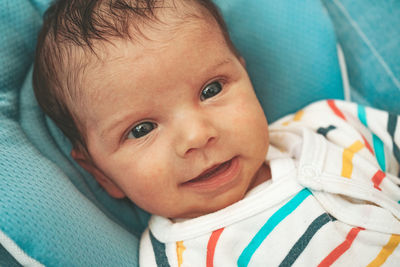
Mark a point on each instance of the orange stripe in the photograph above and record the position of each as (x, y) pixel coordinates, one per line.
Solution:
(377, 179)
(368, 145)
(335, 109)
(342, 248)
(348, 154)
(180, 248)
(386, 251)
(212, 243)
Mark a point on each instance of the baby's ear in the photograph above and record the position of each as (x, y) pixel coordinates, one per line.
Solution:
(88, 165)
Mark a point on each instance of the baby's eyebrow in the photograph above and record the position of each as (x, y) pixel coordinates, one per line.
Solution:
(116, 121)
(221, 63)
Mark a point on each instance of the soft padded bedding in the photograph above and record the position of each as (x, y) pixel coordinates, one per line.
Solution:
(52, 212)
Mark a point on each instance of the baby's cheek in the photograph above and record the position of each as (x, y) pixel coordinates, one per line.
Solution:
(144, 191)
(250, 123)
(249, 115)
(154, 175)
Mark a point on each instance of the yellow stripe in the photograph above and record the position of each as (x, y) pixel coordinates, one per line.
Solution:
(386, 251)
(299, 114)
(348, 154)
(180, 248)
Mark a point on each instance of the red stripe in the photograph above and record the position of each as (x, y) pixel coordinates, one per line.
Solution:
(332, 105)
(339, 250)
(377, 179)
(367, 145)
(212, 243)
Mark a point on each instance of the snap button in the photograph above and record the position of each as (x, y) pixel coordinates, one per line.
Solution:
(310, 176)
(308, 172)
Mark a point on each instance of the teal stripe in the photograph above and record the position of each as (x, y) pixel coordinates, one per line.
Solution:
(362, 116)
(378, 144)
(392, 124)
(272, 222)
(379, 152)
(159, 252)
(303, 241)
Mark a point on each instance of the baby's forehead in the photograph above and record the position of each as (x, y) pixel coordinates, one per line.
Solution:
(130, 54)
(153, 65)
(151, 32)
(153, 39)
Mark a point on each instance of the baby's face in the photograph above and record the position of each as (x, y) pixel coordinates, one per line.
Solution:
(174, 123)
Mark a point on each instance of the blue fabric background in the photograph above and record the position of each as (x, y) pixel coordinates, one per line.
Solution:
(369, 33)
(59, 216)
(290, 50)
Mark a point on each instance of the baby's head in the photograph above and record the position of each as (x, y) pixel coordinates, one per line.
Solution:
(155, 100)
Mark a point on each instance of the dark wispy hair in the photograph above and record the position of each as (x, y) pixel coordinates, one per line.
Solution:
(70, 32)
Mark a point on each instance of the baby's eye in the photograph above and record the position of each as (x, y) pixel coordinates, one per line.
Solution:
(211, 90)
(142, 129)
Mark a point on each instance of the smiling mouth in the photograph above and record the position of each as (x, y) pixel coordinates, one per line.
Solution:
(215, 176)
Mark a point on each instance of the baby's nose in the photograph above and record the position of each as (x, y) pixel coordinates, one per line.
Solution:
(195, 133)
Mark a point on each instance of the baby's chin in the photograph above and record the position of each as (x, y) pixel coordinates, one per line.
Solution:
(207, 205)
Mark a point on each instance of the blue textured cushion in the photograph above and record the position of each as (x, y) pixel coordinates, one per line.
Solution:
(290, 50)
(369, 33)
(51, 208)
(40, 209)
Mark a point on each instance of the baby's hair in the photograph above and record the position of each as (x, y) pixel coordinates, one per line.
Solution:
(74, 30)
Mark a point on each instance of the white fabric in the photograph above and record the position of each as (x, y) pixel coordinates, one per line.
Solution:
(17, 253)
(299, 158)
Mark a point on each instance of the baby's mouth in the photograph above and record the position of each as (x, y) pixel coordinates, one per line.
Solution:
(219, 177)
(211, 172)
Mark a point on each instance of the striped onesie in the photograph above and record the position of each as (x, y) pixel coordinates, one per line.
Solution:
(333, 199)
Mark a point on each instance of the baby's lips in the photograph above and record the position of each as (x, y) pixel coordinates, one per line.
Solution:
(211, 172)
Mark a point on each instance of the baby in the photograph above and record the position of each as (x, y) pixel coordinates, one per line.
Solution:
(159, 108)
